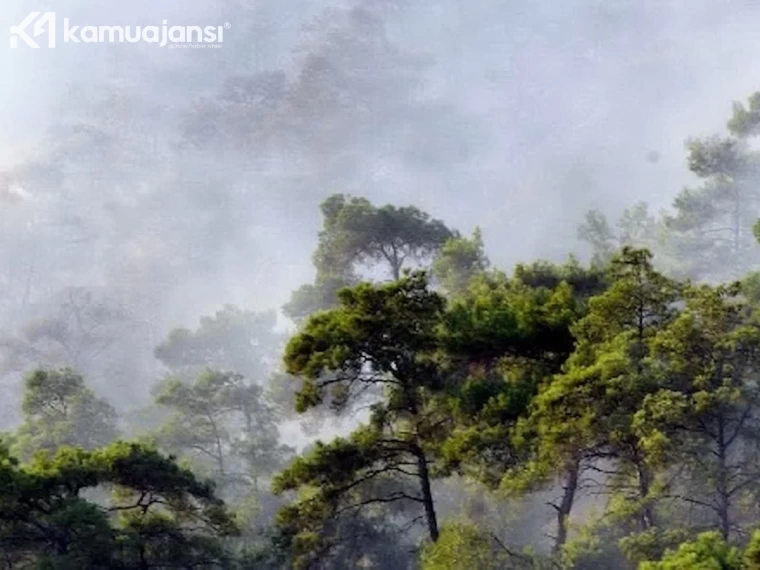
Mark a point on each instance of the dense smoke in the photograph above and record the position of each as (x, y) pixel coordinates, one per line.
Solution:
(142, 187)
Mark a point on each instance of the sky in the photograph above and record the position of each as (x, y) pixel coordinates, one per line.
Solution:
(515, 116)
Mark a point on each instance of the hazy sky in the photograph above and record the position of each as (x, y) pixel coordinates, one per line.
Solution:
(573, 95)
(551, 108)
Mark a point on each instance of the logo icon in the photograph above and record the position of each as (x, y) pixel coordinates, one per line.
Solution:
(42, 24)
(38, 23)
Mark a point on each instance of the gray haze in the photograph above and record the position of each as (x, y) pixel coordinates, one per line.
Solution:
(135, 172)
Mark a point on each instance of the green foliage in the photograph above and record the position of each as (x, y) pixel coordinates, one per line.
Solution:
(713, 225)
(59, 410)
(585, 414)
(358, 236)
(378, 333)
(745, 121)
(357, 232)
(159, 539)
(511, 334)
(585, 282)
(310, 298)
(706, 552)
(462, 546)
(704, 415)
(381, 340)
(459, 260)
(342, 484)
(615, 385)
(157, 512)
(231, 340)
(603, 370)
(636, 228)
(500, 317)
(708, 233)
(80, 329)
(752, 552)
(226, 425)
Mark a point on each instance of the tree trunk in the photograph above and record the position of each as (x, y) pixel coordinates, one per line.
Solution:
(724, 499)
(645, 484)
(143, 559)
(396, 269)
(569, 488)
(427, 495)
(217, 445)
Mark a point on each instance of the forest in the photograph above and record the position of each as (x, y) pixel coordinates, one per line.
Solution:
(622, 395)
(416, 402)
